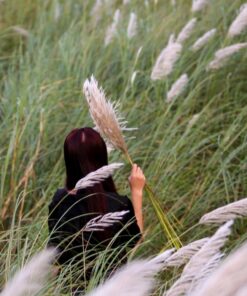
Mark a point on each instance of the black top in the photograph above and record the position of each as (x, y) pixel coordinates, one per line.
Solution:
(68, 214)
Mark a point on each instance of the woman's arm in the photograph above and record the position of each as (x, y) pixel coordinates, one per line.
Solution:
(137, 182)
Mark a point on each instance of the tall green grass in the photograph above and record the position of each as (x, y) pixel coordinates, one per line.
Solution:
(192, 169)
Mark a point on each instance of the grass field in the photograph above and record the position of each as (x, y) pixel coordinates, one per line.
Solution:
(193, 168)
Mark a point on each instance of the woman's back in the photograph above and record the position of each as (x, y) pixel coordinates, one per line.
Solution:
(68, 214)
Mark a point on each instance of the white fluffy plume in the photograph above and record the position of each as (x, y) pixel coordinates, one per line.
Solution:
(203, 40)
(134, 279)
(112, 29)
(21, 31)
(104, 114)
(97, 176)
(100, 222)
(166, 60)
(211, 249)
(186, 31)
(132, 26)
(177, 88)
(184, 254)
(225, 213)
(30, 279)
(229, 279)
(239, 24)
(223, 55)
(198, 5)
(193, 120)
(96, 12)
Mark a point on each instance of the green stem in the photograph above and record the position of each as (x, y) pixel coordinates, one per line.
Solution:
(169, 231)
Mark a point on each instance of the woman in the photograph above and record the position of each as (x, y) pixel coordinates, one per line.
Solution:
(84, 152)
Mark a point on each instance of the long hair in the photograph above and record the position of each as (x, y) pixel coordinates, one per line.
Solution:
(84, 152)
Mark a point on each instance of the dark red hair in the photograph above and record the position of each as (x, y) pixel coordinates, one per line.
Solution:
(84, 152)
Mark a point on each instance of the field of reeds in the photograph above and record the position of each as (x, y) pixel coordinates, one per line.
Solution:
(191, 136)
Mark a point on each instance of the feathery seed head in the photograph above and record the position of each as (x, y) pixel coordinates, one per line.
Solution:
(223, 55)
(30, 279)
(221, 215)
(199, 5)
(97, 176)
(166, 60)
(186, 31)
(203, 40)
(177, 88)
(104, 114)
(132, 26)
(239, 24)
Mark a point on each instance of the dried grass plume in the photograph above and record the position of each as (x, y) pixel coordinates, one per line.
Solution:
(199, 5)
(223, 55)
(203, 40)
(221, 215)
(166, 60)
(186, 31)
(104, 114)
(100, 222)
(209, 252)
(111, 31)
(239, 24)
(132, 26)
(97, 176)
(31, 278)
(229, 279)
(177, 88)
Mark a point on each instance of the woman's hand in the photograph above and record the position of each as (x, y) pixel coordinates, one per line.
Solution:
(137, 182)
(136, 179)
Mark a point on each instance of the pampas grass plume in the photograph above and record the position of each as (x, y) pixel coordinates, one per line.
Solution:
(166, 60)
(104, 114)
(100, 222)
(203, 40)
(193, 120)
(239, 24)
(136, 278)
(194, 267)
(183, 254)
(30, 279)
(177, 88)
(21, 31)
(229, 279)
(223, 55)
(186, 31)
(132, 26)
(96, 12)
(199, 5)
(225, 213)
(112, 29)
(97, 176)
